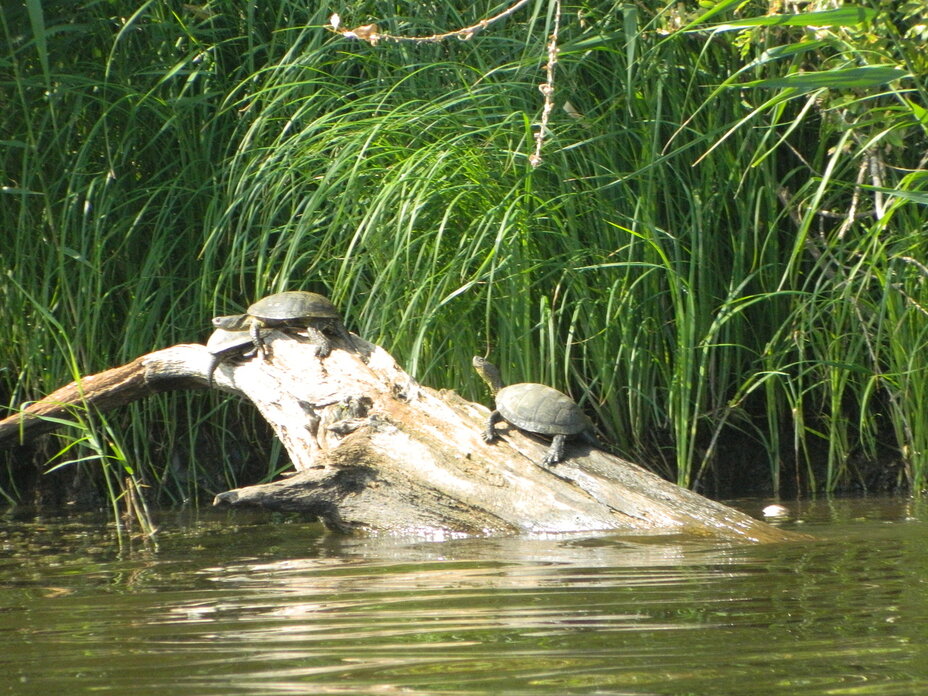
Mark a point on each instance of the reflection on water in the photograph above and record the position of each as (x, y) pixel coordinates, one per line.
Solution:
(234, 604)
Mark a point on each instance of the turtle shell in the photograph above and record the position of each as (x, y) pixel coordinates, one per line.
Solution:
(223, 341)
(538, 408)
(292, 305)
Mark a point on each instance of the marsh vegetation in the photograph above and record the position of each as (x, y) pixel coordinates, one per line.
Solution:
(722, 255)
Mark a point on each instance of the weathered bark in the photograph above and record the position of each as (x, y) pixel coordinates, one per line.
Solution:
(376, 451)
(149, 374)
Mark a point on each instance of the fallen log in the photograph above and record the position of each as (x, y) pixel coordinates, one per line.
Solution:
(375, 451)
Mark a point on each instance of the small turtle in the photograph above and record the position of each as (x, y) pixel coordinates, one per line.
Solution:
(535, 408)
(223, 343)
(288, 310)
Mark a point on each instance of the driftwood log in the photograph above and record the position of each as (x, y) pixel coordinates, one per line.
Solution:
(375, 451)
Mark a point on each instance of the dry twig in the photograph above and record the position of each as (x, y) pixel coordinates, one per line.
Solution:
(371, 34)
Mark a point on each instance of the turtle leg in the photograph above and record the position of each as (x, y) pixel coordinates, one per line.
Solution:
(321, 340)
(343, 334)
(556, 451)
(336, 328)
(489, 434)
(254, 330)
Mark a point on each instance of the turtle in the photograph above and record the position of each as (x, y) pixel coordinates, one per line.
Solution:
(290, 309)
(535, 408)
(223, 343)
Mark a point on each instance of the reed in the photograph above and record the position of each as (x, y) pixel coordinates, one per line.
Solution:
(718, 254)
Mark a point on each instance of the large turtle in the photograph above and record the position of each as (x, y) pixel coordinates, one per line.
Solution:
(535, 408)
(223, 343)
(290, 309)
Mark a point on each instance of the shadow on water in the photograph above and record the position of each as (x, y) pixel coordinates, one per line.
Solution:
(234, 603)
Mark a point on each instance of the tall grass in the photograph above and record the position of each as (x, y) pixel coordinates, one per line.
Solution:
(702, 264)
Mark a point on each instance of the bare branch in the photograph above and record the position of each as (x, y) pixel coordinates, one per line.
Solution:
(372, 34)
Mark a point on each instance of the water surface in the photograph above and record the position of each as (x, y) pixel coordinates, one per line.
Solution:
(234, 603)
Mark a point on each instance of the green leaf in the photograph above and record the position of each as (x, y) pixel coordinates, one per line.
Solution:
(37, 21)
(914, 196)
(789, 50)
(919, 111)
(848, 78)
(712, 10)
(848, 15)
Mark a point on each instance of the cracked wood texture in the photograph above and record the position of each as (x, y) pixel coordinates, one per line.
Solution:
(375, 451)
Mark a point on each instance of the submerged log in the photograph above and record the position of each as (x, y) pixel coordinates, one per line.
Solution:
(375, 451)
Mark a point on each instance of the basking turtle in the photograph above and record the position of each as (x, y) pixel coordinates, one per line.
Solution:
(289, 310)
(535, 408)
(223, 343)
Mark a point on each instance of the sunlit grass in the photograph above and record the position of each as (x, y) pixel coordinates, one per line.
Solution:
(698, 265)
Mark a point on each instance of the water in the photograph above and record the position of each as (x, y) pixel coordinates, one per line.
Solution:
(237, 604)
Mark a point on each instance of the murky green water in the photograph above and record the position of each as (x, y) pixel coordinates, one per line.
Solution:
(238, 604)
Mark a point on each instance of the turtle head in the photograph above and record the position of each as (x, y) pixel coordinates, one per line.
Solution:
(489, 372)
(231, 322)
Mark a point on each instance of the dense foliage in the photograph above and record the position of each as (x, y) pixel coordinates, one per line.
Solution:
(722, 255)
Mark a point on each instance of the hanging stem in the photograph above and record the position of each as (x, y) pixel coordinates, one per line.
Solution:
(547, 88)
(372, 34)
